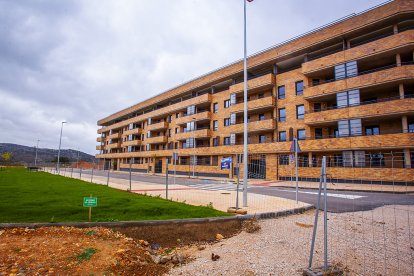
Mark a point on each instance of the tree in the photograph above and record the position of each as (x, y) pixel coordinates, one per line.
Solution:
(62, 159)
(7, 156)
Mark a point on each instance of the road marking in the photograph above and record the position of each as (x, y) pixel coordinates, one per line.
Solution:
(328, 194)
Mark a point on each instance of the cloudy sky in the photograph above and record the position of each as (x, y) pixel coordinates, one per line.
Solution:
(79, 61)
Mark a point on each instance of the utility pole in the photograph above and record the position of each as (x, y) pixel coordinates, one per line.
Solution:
(37, 146)
(245, 167)
(194, 145)
(60, 143)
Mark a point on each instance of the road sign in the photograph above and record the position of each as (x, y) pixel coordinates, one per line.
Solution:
(292, 147)
(225, 163)
(90, 201)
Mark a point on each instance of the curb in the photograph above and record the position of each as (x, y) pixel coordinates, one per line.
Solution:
(346, 190)
(124, 224)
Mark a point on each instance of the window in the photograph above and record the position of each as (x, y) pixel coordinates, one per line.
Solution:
(215, 125)
(176, 130)
(316, 82)
(262, 139)
(232, 139)
(261, 117)
(169, 132)
(191, 110)
(216, 142)
(177, 115)
(299, 88)
(281, 92)
(317, 107)
(283, 159)
(226, 103)
(301, 134)
(233, 118)
(372, 130)
(300, 112)
(282, 136)
(215, 107)
(376, 160)
(226, 140)
(232, 99)
(348, 98)
(191, 126)
(349, 128)
(189, 143)
(169, 118)
(346, 70)
(226, 121)
(282, 115)
(410, 127)
(318, 133)
(260, 96)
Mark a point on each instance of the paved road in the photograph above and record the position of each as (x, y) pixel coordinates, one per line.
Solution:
(338, 201)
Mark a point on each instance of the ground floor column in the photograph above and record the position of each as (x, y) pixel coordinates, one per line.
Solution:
(404, 122)
(407, 158)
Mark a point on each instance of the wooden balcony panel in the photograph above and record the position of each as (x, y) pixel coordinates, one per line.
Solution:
(399, 106)
(113, 146)
(254, 126)
(156, 140)
(99, 147)
(135, 131)
(198, 117)
(132, 143)
(114, 136)
(262, 82)
(254, 104)
(372, 48)
(157, 126)
(388, 75)
(200, 133)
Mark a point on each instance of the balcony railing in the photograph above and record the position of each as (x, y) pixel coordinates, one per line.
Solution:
(265, 81)
(132, 143)
(205, 115)
(157, 140)
(198, 133)
(157, 126)
(132, 131)
(253, 126)
(254, 104)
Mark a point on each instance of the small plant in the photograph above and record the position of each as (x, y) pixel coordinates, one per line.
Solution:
(52, 219)
(86, 254)
(90, 233)
(210, 205)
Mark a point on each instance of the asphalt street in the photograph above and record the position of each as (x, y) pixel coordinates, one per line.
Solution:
(337, 201)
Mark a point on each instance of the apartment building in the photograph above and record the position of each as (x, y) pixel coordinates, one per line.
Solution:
(345, 90)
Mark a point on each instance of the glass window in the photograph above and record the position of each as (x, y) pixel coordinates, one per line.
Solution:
(282, 115)
(226, 103)
(216, 141)
(342, 99)
(299, 88)
(300, 112)
(281, 92)
(191, 110)
(377, 160)
(343, 128)
(317, 107)
(410, 127)
(283, 159)
(353, 97)
(232, 118)
(226, 121)
(262, 138)
(372, 130)
(301, 134)
(261, 117)
(355, 127)
(215, 107)
(233, 139)
(232, 98)
(215, 125)
(282, 136)
(226, 140)
(318, 133)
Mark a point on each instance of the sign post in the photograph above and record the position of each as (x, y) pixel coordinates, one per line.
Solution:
(175, 158)
(90, 202)
(295, 148)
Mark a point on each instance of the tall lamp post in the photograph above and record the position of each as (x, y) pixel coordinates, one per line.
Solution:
(37, 146)
(60, 143)
(194, 145)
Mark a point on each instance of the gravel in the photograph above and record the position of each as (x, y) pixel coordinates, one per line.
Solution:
(371, 243)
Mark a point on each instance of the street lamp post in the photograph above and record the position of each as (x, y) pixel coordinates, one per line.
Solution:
(60, 143)
(37, 146)
(245, 167)
(194, 146)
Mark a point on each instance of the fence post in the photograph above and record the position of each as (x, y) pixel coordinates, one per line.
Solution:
(315, 224)
(130, 176)
(325, 218)
(107, 177)
(92, 172)
(238, 181)
(71, 172)
(166, 181)
(80, 173)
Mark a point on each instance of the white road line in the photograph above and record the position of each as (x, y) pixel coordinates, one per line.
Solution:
(329, 194)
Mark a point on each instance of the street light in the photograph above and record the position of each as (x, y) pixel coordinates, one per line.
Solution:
(194, 146)
(37, 145)
(60, 142)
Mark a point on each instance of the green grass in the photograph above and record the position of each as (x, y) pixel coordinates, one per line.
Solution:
(42, 197)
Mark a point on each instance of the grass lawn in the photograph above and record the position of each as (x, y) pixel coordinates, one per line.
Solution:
(42, 197)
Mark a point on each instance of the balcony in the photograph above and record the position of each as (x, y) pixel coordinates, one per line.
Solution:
(256, 126)
(202, 116)
(263, 103)
(100, 139)
(132, 143)
(377, 76)
(263, 82)
(135, 131)
(157, 140)
(99, 147)
(113, 146)
(206, 98)
(114, 135)
(372, 48)
(199, 133)
(157, 126)
(389, 107)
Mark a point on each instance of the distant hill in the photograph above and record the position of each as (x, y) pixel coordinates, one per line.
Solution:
(26, 155)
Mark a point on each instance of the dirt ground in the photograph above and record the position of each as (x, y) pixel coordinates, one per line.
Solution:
(74, 251)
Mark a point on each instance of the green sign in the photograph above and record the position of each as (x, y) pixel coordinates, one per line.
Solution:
(90, 201)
